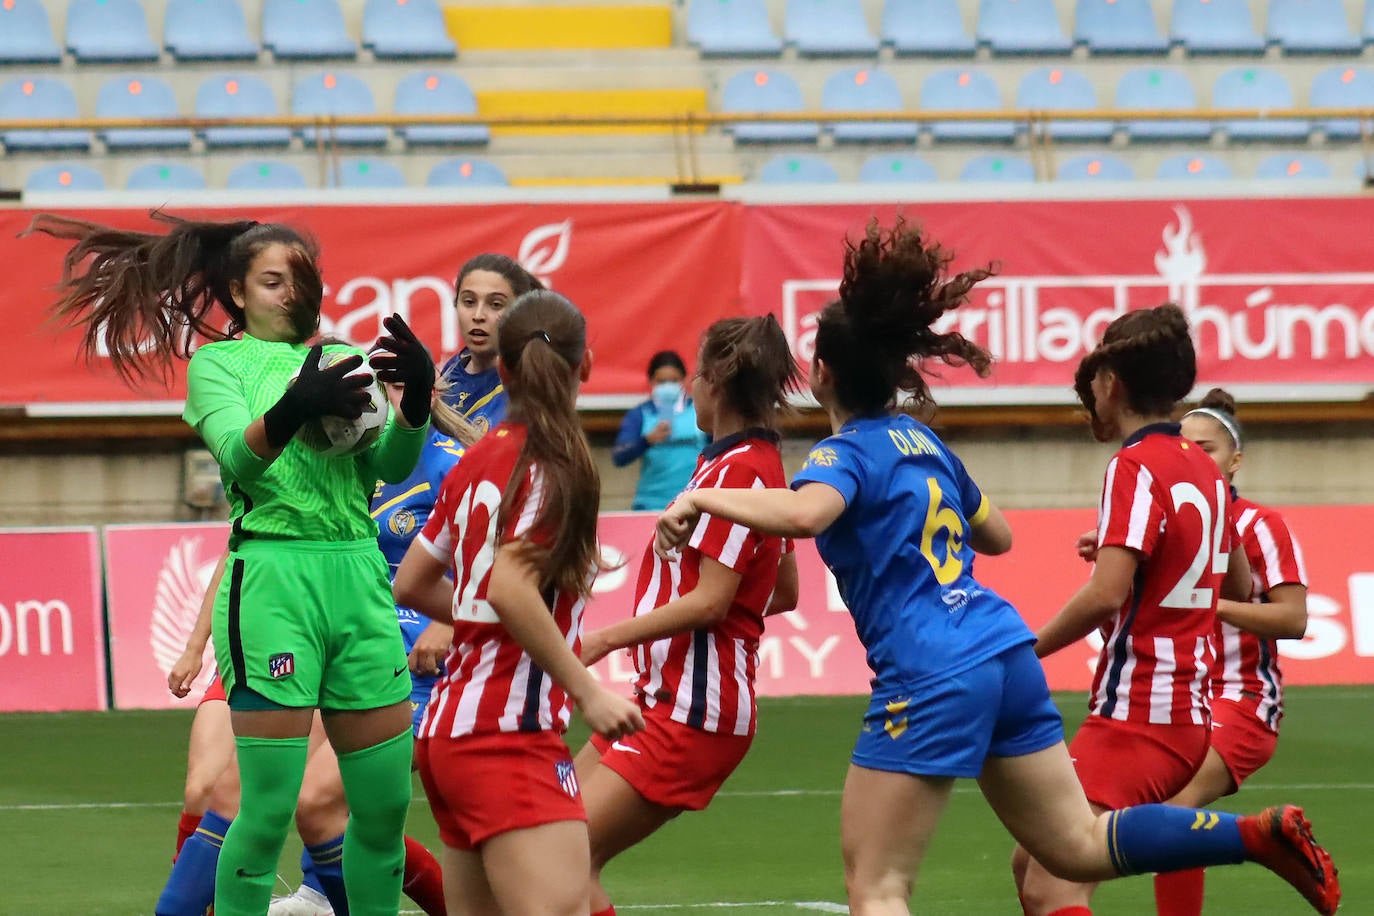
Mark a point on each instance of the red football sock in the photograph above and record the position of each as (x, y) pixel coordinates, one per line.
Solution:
(424, 879)
(185, 827)
(1179, 893)
(609, 911)
(1072, 911)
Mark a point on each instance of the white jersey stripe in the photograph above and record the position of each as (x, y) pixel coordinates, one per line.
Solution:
(1273, 562)
(465, 714)
(1199, 686)
(682, 703)
(1141, 504)
(745, 711)
(515, 702)
(1162, 681)
(1104, 511)
(712, 720)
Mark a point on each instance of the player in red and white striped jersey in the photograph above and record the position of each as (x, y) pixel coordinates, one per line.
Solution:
(516, 523)
(1246, 684)
(698, 617)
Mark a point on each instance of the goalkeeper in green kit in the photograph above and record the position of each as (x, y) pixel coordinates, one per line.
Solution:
(304, 617)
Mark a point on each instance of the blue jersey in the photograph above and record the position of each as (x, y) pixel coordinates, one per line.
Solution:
(900, 552)
(480, 398)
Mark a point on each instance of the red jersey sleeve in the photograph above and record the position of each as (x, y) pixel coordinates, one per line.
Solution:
(1130, 515)
(731, 545)
(1282, 557)
(437, 536)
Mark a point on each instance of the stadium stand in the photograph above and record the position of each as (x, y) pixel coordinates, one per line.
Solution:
(766, 90)
(1094, 167)
(897, 168)
(306, 30)
(990, 167)
(931, 27)
(337, 93)
(165, 176)
(265, 175)
(239, 96)
(790, 169)
(1260, 88)
(140, 97)
(828, 27)
(1162, 89)
(1215, 27)
(104, 31)
(26, 34)
(438, 92)
(196, 30)
(1192, 166)
(1118, 27)
(406, 29)
(1291, 166)
(1063, 89)
(865, 89)
(728, 28)
(367, 173)
(1343, 87)
(65, 176)
(1311, 27)
(471, 173)
(40, 97)
(1021, 27)
(965, 89)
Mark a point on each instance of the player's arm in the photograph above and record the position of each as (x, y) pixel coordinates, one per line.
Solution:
(801, 513)
(630, 444)
(1237, 584)
(991, 532)
(1093, 604)
(422, 582)
(1282, 616)
(788, 588)
(187, 668)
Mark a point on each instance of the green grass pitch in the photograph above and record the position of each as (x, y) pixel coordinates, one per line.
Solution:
(88, 808)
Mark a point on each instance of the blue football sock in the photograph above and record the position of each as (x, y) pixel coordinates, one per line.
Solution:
(308, 877)
(326, 868)
(190, 888)
(1155, 838)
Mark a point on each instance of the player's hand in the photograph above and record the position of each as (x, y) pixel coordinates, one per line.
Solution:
(610, 715)
(427, 657)
(1087, 545)
(329, 392)
(594, 647)
(406, 361)
(185, 671)
(675, 527)
(659, 433)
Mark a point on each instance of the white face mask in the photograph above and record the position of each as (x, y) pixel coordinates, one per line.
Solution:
(666, 395)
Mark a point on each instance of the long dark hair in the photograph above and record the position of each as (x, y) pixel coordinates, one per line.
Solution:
(877, 337)
(1151, 352)
(749, 360)
(146, 296)
(521, 280)
(542, 338)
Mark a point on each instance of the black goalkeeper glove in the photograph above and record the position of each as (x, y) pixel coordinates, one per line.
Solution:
(408, 363)
(316, 393)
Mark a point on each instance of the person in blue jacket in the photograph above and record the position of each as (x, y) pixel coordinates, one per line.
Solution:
(663, 432)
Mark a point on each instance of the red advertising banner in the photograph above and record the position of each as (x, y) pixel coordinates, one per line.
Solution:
(52, 647)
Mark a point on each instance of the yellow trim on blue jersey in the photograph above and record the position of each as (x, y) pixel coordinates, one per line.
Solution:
(418, 488)
(485, 398)
(981, 515)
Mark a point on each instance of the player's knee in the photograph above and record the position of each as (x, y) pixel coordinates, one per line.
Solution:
(1069, 861)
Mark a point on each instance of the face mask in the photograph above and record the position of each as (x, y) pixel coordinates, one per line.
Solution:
(665, 396)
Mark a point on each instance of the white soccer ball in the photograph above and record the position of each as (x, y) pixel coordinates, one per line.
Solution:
(334, 436)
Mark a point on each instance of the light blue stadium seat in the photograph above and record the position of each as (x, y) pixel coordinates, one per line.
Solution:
(1164, 89)
(823, 27)
(1021, 27)
(305, 30)
(438, 92)
(1342, 87)
(406, 29)
(1290, 165)
(26, 34)
(1192, 165)
(1061, 89)
(367, 173)
(1257, 87)
(466, 173)
(993, 167)
(1311, 27)
(926, 27)
(725, 28)
(1118, 27)
(1215, 27)
(140, 97)
(64, 176)
(207, 30)
(766, 90)
(964, 89)
(898, 168)
(165, 176)
(239, 95)
(265, 175)
(797, 169)
(109, 30)
(332, 93)
(40, 97)
(1367, 25)
(864, 89)
(1094, 167)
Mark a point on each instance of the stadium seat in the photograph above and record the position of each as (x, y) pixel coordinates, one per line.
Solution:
(437, 92)
(1215, 27)
(1367, 26)
(165, 176)
(1261, 88)
(1118, 27)
(1165, 89)
(40, 97)
(724, 28)
(468, 173)
(964, 89)
(766, 90)
(926, 27)
(265, 175)
(825, 27)
(64, 176)
(367, 173)
(331, 93)
(1021, 27)
(790, 169)
(898, 168)
(238, 95)
(864, 89)
(109, 30)
(1289, 165)
(305, 30)
(406, 29)
(990, 167)
(1311, 27)
(26, 34)
(140, 97)
(1192, 165)
(207, 30)
(1094, 167)
(1342, 87)
(1061, 89)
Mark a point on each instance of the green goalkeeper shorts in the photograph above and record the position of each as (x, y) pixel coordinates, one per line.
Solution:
(310, 623)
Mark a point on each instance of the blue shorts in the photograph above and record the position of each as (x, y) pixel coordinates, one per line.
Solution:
(421, 687)
(998, 708)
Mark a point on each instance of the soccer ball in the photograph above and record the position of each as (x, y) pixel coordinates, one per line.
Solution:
(335, 436)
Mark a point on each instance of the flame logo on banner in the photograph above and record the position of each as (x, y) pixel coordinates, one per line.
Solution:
(544, 249)
(181, 583)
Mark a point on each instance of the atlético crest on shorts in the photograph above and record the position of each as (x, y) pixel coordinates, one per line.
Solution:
(567, 777)
(281, 665)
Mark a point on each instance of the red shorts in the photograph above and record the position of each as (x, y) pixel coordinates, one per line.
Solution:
(1243, 742)
(673, 765)
(214, 692)
(1131, 763)
(481, 786)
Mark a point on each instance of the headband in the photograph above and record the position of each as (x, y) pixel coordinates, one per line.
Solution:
(1227, 422)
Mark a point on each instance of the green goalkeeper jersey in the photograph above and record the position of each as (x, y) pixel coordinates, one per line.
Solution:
(301, 495)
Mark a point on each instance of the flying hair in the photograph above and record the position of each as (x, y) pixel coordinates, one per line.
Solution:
(750, 360)
(1151, 352)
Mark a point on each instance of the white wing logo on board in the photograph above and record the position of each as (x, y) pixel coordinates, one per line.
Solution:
(544, 249)
(181, 583)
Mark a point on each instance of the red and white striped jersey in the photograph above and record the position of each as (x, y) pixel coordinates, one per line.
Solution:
(705, 679)
(489, 683)
(1165, 500)
(1247, 670)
